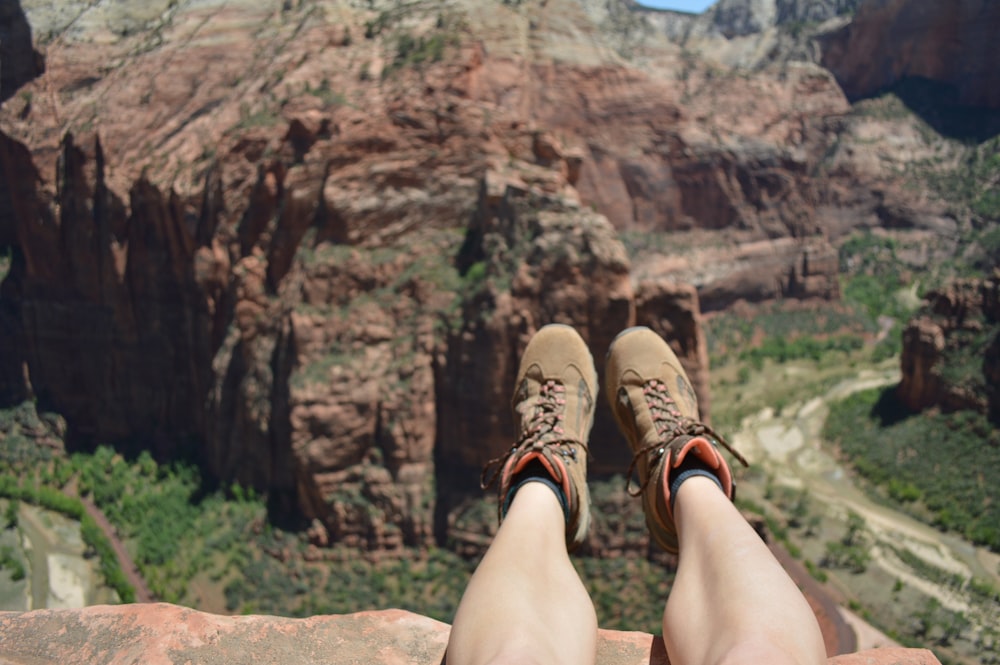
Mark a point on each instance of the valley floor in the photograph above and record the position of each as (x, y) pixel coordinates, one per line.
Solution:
(795, 475)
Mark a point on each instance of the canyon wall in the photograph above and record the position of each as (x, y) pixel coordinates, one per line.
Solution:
(306, 244)
(946, 42)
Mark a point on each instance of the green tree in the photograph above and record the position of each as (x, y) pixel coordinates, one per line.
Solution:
(10, 514)
(799, 511)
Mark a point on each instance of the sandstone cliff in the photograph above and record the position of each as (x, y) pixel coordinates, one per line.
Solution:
(945, 42)
(951, 351)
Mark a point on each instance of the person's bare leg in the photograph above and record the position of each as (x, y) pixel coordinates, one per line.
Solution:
(525, 603)
(731, 601)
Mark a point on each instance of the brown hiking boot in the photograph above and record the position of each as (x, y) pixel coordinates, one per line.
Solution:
(657, 411)
(553, 408)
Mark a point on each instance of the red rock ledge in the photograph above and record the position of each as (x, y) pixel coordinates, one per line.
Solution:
(160, 634)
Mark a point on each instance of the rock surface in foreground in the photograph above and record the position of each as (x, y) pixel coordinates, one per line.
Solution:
(163, 633)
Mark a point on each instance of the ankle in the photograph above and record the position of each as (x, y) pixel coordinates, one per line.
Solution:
(536, 503)
(687, 472)
(525, 479)
(698, 488)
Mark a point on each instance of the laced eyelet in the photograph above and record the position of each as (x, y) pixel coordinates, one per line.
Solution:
(544, 428)
(670, 425)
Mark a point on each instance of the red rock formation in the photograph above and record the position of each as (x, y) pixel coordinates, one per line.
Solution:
(531, 260)
(753, 271)
(941, 41)
(949, 357)
(116, 364)
(128, 634)
(923, 342)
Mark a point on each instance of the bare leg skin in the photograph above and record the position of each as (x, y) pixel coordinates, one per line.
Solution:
(525, 603)
(731, 601)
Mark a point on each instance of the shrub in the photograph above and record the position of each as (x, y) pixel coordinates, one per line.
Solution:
(818, 573)
(8, 561)
(10, 514)
(110, 567)
(854, 558)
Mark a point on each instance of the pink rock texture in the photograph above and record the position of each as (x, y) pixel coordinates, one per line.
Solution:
(160, 634)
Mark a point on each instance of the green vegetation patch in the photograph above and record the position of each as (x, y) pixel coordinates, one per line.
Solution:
(428, 583)
(192, 542)
(973, 183)
(628, 592)
(961, 363)
(876, 272)
(808, 350)
(412, 47)
(177, 526)
(783, 331)
(782, 350)
(851, 551)
(257, 117)
(943, 468)
(12, 563)
(412, 50)
(875, 282)
(18, 425)
(327, 94)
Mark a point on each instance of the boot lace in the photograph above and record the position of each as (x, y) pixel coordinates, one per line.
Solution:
(543, 428)
(671, 425)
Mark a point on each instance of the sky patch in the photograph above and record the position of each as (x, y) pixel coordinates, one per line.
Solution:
(692, 6)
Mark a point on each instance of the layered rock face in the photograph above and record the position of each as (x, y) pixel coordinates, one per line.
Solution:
(750, 34)
(538, 261)
(305, 244)
(945, 42)
(113, 364)
(739, 18)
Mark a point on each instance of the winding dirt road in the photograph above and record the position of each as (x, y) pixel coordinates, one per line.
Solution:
(788, 447)
(142, 592)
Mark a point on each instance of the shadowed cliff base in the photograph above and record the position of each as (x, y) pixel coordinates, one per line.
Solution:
(938, 104)
(889, 409)
(21, 62)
